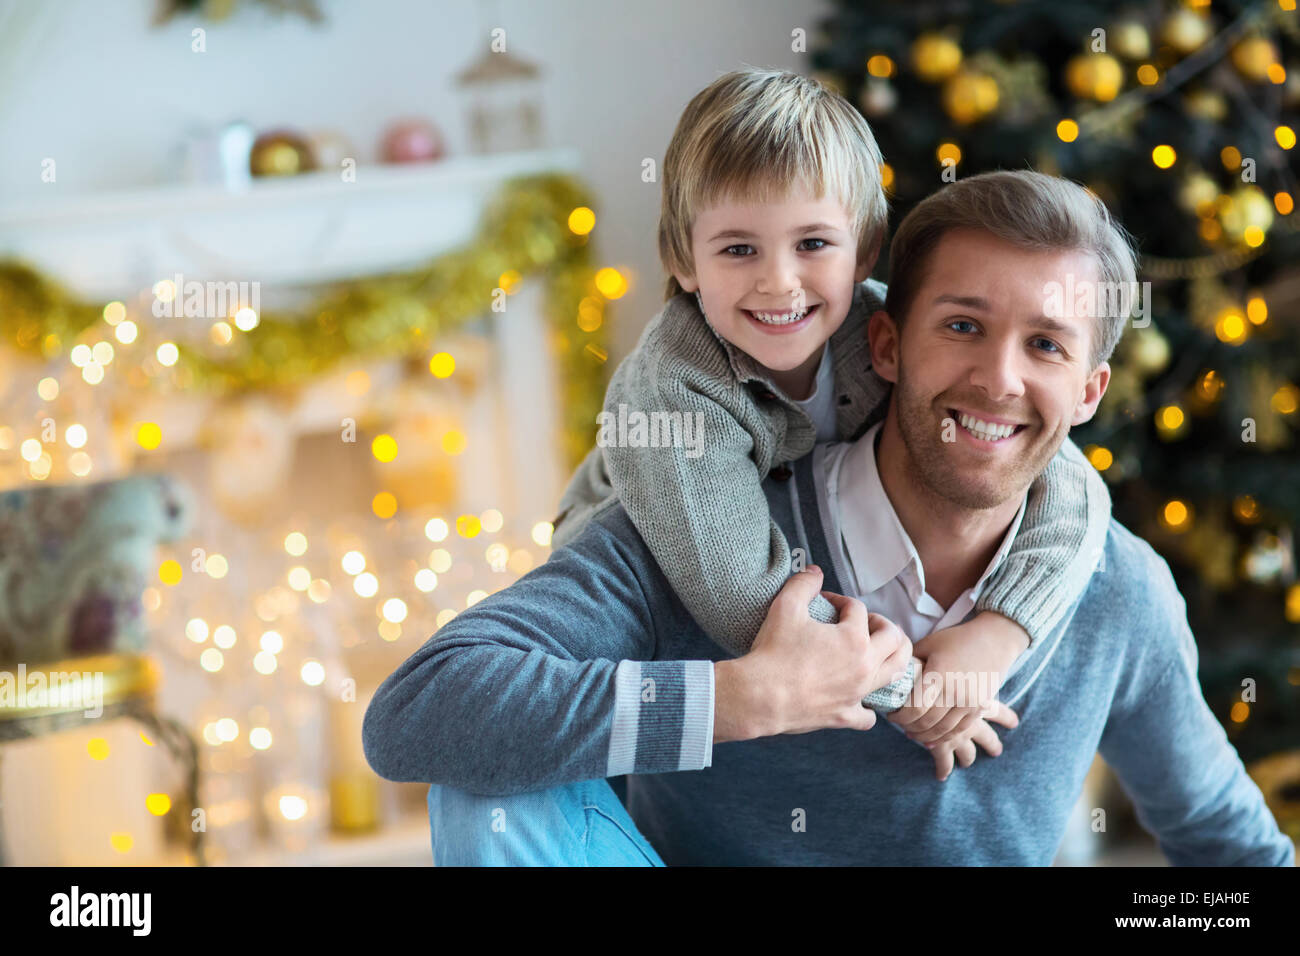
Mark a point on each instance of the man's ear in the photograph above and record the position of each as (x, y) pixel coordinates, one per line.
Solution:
(867, 262)
(882, 332)
(1093, 390)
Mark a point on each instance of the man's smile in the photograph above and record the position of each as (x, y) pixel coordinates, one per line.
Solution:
(987, 430)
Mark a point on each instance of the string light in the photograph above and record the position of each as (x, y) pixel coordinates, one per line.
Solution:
(1100, 457)
(880, 66)
(312, 673)
(581, 221)
(1176, 515)
(611, 283)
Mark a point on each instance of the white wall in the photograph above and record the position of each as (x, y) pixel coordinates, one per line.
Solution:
(94, 86)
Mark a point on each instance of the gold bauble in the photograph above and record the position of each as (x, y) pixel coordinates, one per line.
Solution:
(1206, 104)
(280, 153)
(1149, 350)
(1278, 779)
(1094, 76)
(1186, 30)
(969, 96)
(935, 57)
(1130, 40)
(1197, 191)
(1247, 207)
(878, 97)
(1253, 56)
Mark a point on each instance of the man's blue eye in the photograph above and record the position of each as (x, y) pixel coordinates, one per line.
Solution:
(960, 322)
(1052, 346)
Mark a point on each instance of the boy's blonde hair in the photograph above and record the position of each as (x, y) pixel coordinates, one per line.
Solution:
(1028, 209)
(752, 136)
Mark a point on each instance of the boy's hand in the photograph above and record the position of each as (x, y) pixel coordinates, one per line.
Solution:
(964, 746)
(961, 745)
(969, 662)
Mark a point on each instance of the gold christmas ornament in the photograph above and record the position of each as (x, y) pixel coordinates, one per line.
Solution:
(1198, 194)
(935, 57)
(1278, 779)
(1186, 30)
(281, 153)
(1247, 215)
(969, 97)
(1130, 40)
(878, 97)
(1253, 56)
(1206, 104)
(1094, 76)
(1149, 351)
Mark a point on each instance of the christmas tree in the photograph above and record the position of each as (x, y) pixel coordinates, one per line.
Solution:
(1182, 118)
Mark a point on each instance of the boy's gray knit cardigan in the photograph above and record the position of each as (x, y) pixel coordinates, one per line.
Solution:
(704, 515)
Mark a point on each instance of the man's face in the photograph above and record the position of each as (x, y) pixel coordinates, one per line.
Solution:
(764, 258)
(987, 386)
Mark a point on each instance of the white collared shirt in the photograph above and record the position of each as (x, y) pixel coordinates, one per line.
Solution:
(882, 567)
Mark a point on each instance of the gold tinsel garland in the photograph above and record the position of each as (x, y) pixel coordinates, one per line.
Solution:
(524, 231)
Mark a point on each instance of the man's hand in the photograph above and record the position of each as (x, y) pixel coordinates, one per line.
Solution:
(966, 665)
(801, 675)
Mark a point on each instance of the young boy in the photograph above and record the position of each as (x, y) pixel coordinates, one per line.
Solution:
(772, 218)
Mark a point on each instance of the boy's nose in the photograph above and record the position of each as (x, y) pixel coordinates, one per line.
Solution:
(779, 278)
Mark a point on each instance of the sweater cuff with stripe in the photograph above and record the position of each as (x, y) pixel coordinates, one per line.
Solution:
(663, 717)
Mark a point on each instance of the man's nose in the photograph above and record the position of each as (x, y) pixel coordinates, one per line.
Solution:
(999, 370)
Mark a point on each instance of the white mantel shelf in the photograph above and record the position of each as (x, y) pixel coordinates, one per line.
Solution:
(282, 232)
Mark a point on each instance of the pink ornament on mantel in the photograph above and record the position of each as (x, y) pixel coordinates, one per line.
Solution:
(412, 141)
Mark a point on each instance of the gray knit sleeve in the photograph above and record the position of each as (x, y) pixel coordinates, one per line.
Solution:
(704, 515)
(1059, 543)
(587, 490)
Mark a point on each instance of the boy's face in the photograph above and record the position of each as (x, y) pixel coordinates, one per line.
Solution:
(765, 259)
(977, 351)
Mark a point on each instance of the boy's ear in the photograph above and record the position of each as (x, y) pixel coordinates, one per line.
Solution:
(882, 333)
(867, 262)
(687, 283)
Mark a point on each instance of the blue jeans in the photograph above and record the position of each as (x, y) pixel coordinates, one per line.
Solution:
(578, 824)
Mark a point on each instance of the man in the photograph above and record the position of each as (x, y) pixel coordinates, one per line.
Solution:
(590, 668)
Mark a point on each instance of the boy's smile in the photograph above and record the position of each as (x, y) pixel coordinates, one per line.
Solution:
(777, 279)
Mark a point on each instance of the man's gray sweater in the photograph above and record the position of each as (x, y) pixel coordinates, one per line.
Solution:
(590, 666)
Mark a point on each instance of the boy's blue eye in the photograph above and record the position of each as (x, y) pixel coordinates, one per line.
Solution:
(747, 246)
